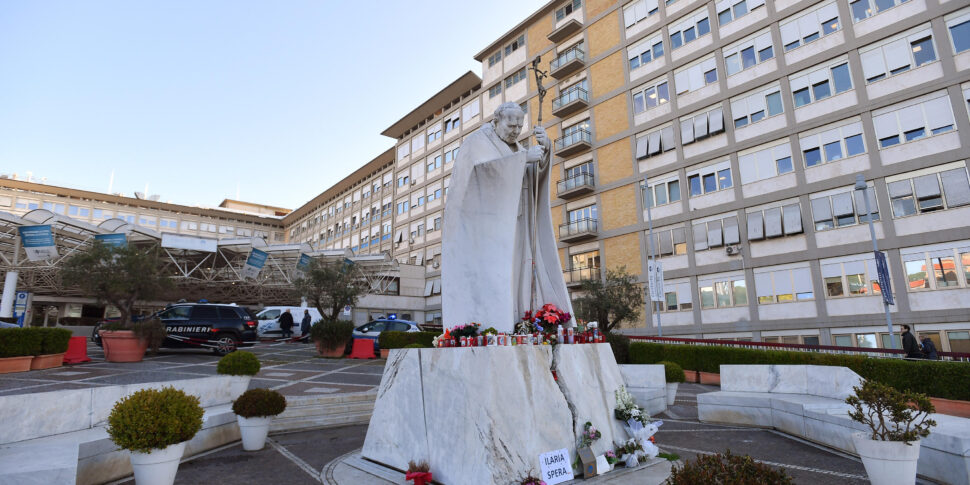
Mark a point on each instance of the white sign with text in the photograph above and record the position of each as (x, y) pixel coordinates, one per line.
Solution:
(555, 466)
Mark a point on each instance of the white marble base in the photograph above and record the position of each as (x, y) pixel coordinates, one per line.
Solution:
(647, 384)
(483, 415)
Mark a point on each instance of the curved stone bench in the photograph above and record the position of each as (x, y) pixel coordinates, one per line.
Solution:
(809, 402)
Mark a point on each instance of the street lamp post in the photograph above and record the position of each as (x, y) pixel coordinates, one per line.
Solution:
(653, 256)
(860, 184)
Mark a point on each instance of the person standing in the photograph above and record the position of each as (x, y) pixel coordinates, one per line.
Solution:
(929, 348)
(910, 345)
(286, 324)
(305, 326)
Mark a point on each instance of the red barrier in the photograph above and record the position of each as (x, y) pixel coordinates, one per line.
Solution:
(77, 351)
(363, 349)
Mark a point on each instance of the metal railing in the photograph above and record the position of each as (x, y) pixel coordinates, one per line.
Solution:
(570, 55)
(575, 182)
(574, 93)
(578, 275)
(577, 227)
(578, 136)
(829, 349)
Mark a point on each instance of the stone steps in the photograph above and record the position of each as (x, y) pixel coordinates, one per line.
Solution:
(322, 411)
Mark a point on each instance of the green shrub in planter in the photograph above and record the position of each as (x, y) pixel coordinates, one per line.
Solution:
(20, 342)
(891, 415)
(399, 340)
(54, 340)
(153, 419)
(238, 363)
(259, 403)
(672, 371)
(332, 335)
(621, 347)
(415, 346)
(727, 468)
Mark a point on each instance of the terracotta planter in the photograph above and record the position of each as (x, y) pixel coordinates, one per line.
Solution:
(336, 353)
(691, 376)
(15, 364)
(122, 346)
(385, 353)
(951, 407)
(710, 378)
(48, 361)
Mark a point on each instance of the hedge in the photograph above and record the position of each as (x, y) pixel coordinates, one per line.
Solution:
(941, 379)
(54, 340)
(393, 339)
(19, 342)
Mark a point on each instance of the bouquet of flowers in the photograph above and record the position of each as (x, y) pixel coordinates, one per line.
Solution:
(611, 457)
(467, 330)
(547, 317)
(627, 409)
(590, 434)
(531, 480)
(490, 331)
(629, 453)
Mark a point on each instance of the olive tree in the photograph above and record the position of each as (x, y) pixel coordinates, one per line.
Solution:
(610, 302)
(330, 286)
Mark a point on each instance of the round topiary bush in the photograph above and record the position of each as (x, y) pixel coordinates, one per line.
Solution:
(332, 335)
(238, 363)
(727, 468)
(674, 372)
(258, 403)
(415, 346)
(152, 419)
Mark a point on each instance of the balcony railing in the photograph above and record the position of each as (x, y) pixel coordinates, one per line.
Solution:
(575, 185)
(573, 143)
(576, 276)
(570, 101)
(578, 229)
(567, 62)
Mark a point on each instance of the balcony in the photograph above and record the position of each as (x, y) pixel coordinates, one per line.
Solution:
(577, 230)
(570, 101)
(576, 185)
(573, 143)
(567, 63)
(565, 30)
(576, 276)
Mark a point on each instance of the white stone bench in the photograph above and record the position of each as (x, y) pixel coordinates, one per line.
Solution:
(809, 402)
(61, 436)
(647, 384)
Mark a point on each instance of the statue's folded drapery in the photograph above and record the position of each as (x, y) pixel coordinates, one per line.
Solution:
(486, 253)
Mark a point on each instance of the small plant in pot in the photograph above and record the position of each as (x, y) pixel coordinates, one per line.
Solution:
(331, 337)
(254, 410)
(154, 425)
(241, 366)
(896, 420)
(674, 375)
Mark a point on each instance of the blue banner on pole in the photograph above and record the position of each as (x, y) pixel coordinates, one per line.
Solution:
(254, 263)
(885, 286)
(113, 240)
(303, 263)
(38, 242)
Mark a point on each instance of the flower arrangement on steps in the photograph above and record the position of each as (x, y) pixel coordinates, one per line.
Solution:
(419, 472)
(255, 410)
(896, 420)
(154, 425)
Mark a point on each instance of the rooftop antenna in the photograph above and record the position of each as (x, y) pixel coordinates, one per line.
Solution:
(111, 181)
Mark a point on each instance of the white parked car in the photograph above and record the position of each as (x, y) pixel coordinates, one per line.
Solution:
(269, 320)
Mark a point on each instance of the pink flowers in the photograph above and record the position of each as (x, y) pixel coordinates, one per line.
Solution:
(548, 315)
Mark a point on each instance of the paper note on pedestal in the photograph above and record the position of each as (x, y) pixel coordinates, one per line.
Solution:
(555, 466)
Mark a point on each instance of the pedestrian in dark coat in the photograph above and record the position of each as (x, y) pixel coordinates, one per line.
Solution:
(305, 325)
(910, 345)
(286, 324)
(929, 349)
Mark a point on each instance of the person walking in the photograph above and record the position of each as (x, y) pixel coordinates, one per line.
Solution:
(910, 345)
(929, 348)
(305, 326)
(286, 324)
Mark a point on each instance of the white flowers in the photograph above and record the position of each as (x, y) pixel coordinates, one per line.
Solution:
(626, 407)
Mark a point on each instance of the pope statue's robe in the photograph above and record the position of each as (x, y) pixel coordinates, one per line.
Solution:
(486, 242)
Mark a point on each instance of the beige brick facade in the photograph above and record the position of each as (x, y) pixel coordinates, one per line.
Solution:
(623, 251)
(611, 117)
(619, 207)
(604, 34)
(607, 75)
(614, 161)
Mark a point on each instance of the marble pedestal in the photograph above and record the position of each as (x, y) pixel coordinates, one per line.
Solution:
(484, 414)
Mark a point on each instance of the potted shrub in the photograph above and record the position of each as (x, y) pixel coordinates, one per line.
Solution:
(53, 346)
(331, 337)
(254, 410)
(241, 366)
(674, 376)
(18, 346)
(120, 276)
(726, 468)
(896, 420)
(154, 425)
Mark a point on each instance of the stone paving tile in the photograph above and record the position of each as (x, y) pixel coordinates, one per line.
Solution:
(315, 366)
(265, 383)
(71, 374)
(320, 447)
(320, 388)
(207, 370)
(285, 373)
(344, 377)
(233, 466)
(367, 369)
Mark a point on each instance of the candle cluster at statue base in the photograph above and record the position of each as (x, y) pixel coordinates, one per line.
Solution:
(543, 327)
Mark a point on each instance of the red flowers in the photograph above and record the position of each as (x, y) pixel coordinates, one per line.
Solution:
(548, 315)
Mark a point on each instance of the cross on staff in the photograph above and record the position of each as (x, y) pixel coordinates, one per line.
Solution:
(540, 75)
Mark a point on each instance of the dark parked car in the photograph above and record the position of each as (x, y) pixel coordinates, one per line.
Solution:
(222, 328)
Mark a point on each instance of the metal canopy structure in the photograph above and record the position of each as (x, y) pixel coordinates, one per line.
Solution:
(200, 267)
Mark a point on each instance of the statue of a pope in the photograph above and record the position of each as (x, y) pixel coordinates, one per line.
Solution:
(498, 202)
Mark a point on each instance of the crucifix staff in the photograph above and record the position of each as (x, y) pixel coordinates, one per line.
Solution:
(540, 75)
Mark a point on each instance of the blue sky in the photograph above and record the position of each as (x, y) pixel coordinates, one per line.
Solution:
(196, 98)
